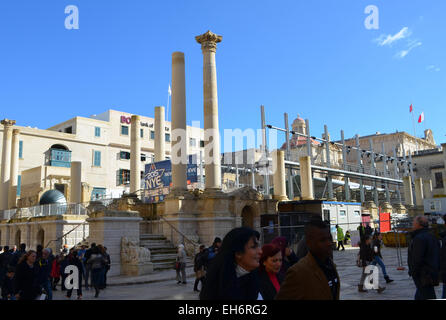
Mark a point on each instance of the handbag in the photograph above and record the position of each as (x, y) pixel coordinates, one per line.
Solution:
(177, 265)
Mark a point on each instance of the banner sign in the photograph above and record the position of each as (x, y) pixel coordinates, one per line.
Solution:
(158, 179)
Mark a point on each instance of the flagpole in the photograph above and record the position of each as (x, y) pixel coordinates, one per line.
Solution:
(414, 130)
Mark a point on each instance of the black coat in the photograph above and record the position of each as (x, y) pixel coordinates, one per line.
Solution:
(424, 258)
(377, 243)
(365, 253)
(44, 266)
(226, 286)
(266, 287)
(27, 281)
(443, 257)
(7, 287)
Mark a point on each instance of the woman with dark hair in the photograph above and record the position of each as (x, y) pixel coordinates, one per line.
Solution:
(27, 285)
(270, 264)
(289, 258)
(232, 275)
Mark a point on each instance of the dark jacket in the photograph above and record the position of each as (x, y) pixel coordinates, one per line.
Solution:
(6, 259)
(443, 257)
(16, 257)
(307, 281)
(267, 289)
(377, 243)
(27, 281)
(7, 287)
(424, 258)
(223, 284)
(44, 270)
(200, 260)
(365, 253)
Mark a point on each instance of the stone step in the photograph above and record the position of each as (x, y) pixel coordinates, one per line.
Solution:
(163, 257)
(152, 237)
(155, 244)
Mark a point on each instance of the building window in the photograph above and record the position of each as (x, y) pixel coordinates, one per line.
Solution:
(69, 130)
(98, 193)
(201, 143)
(125, 130)
(342, 213)
(19, 185)
(357, 214)
(97, 131)
(142, 133)
(143, 157)
(167, 137)
(97, 158)
(152, 135)
(20, 149)
(124, 155)
(60, 158)
(439, 180)
(122, 177)
(193, 142)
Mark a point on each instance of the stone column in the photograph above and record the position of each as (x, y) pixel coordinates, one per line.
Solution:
(427, 189)
(14, 174)
(419, 195)
(279, 175)
(160, 141)
(179, 137)
(6, 163)
(408, 195)
(135, 154)
(76, 182)
(306, 178)
(208, 43)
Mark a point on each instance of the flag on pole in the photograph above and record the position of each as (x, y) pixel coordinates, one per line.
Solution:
(169, 91)
(411, 108)
(421, 118)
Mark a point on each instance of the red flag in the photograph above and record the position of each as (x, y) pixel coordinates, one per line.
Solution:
(411, 108)
(421, 118)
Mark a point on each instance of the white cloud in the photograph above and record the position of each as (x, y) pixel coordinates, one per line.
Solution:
(432, 68)
(388, 40)
(412, 45)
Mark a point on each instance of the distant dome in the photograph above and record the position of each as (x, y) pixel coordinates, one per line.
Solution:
(53, 196)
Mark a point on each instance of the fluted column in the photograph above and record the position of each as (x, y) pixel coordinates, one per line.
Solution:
(6, 163)
(419, 194)
(427, 189)
(160, 141)
(408, 194)
(208, 43)
(178, 141)
(14, 173)
(279, 175)
(76, 182)
(135, 154)
(306, 178)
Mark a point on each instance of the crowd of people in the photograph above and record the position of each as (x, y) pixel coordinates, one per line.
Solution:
(31, 275)
(242, 270)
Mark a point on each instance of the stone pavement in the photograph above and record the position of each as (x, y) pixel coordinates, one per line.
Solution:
(402, 288)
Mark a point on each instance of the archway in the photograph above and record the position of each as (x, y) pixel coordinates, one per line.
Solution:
(40, 237)
(248, 217)
(18, 236)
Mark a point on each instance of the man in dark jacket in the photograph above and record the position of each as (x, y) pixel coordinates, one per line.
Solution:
(443, 263)
(423, 259)
(199, 266)
(18, 254)
(87, 266)
(44, 271)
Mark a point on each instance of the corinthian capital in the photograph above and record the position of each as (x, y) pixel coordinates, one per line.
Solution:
(208, 41)
(8, 123)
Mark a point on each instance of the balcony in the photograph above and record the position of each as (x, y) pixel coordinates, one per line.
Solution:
(60, 158)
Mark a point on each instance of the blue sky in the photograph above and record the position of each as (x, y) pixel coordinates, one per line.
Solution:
(313, 58)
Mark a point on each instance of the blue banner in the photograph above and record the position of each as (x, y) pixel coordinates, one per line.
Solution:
(158, 179)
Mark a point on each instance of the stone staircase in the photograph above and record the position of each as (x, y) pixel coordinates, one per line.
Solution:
(163, 252)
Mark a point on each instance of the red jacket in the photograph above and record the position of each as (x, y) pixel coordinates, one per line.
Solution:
(55, 270)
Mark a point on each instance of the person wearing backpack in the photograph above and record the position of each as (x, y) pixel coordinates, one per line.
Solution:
(96, 263)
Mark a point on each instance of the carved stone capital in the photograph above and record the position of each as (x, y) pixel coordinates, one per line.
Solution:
(208, 41)
(8, 123)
